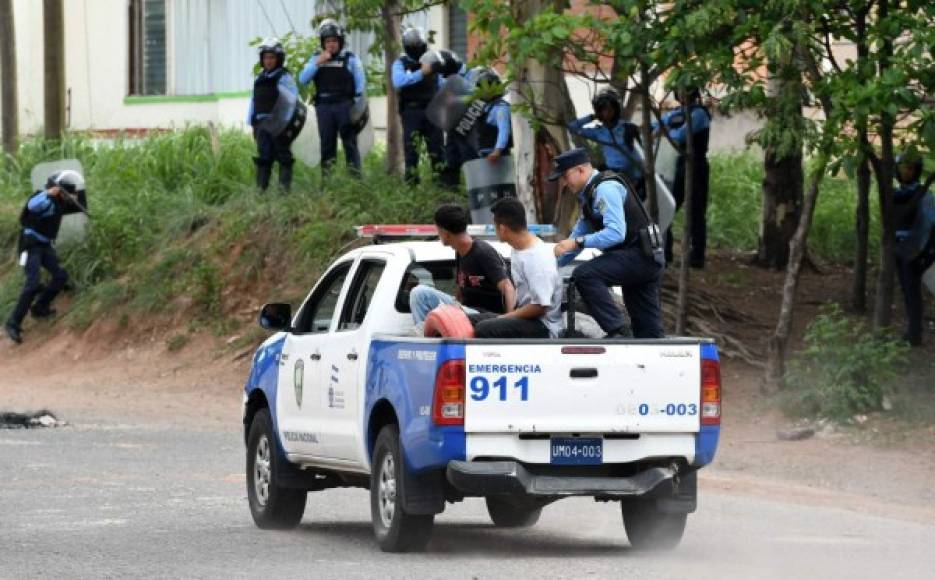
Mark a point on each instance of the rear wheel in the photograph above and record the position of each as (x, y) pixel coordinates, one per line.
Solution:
(650, 529)
(396, 530)
(272, 507)
(509, 515)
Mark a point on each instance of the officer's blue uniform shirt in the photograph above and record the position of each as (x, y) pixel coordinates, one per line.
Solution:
(403, 78)
(499, 117)
(43, 206)
(357, 70)
(608, 203)
(285, 82)
(610, 144)
(700, 121)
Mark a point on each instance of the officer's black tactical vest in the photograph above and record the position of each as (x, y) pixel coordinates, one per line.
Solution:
(334, 81)
(47, 227)
(420, 93)
(487, 133)
(634, 214)
(266, 91)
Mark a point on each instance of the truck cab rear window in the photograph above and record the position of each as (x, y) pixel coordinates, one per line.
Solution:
(438, 274)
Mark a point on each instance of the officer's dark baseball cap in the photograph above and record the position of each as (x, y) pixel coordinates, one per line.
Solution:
(567, 160)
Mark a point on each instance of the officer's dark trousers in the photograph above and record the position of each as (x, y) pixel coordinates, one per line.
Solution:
(269, 150)
(39, 256)
(639, 277)
(910, 273)
(699, 231)
(415, 122)
(334, 119)
(458, 151)
(490, 325)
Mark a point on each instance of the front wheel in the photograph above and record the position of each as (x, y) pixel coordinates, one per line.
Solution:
(650, 529)
(508, 515)
(272, 507)
(396, 530)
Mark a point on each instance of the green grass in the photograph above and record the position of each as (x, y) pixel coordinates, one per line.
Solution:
(170, 211)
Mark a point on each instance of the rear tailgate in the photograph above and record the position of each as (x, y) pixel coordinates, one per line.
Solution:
(576, 388)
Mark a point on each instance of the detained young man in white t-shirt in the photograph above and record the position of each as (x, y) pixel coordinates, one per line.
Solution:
(538, 310)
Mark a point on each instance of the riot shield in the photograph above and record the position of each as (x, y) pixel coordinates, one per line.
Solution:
(450, 103)
(486, 183)
(664, 200)
(74, 226)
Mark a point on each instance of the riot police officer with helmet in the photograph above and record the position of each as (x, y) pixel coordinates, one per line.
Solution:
(276, 115)
(40, 221)
(339, 82)
(416, 84)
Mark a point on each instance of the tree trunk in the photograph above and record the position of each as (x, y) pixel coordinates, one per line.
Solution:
(394, 129)
(53, 31)
(859, 286)
(776, 357)
(681, 312)
(543, 89)
(882, 311)
(649, 149)
(782, 207)
(9, 118)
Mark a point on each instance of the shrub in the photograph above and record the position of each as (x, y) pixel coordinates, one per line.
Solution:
(844, 369)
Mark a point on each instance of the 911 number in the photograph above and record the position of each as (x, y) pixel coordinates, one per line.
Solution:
(482, 388)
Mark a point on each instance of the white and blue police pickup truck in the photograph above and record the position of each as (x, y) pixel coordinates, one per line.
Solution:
(344, 395)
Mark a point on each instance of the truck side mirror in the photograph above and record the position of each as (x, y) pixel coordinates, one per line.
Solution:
(276, 316)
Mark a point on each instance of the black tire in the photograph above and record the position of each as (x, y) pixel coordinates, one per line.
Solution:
(650, 529)
(509, 515)
(396, 530)
(276, 508)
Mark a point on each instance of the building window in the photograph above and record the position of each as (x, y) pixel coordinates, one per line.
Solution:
(148, 62)
(457, 30)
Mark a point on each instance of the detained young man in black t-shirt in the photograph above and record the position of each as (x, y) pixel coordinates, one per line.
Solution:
(483, 284)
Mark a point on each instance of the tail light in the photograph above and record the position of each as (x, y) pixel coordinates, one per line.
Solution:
(710, 392)
(448, 402)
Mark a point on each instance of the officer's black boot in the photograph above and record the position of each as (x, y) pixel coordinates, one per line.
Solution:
(263, 172)
(285, 176)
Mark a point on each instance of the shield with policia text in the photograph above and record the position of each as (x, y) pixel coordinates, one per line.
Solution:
(450, 104)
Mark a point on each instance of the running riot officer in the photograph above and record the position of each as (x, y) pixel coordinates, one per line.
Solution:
(616, 137)
(339, 79)
(40, 221)
(914, 218)
(613, 221)
(276, 115)
(416, 83)
(677, 128)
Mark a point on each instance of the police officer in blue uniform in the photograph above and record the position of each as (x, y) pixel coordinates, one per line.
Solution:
(616, 137)
(339, 80)
(677, 128)
(494, 135)
(416, 83)
(40, 220)
(274, 105)
(612, 220)
(914, 218)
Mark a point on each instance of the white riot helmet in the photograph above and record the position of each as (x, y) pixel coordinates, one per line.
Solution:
(68, 179)
(414, 43)
(274, 46)
(329, 28)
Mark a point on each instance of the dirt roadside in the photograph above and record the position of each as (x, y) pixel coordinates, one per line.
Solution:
(140, 382)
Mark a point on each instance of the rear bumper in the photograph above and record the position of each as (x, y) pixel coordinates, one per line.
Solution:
(483, 478)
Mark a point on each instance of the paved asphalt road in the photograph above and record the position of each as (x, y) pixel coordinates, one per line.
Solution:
(121, 500)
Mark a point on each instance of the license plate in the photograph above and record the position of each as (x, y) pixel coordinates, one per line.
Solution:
(576, 451)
